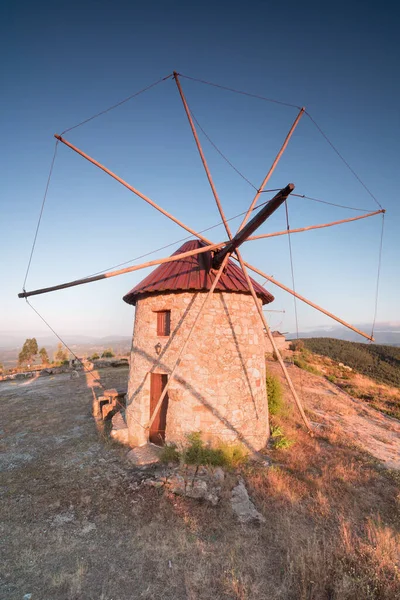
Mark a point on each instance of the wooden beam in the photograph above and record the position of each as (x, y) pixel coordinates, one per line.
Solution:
(178, 361)
(274, 346)
(151, 263)
(276, 233)
(303, 299)
(272, 169)
(204, 239)
(130, 187)
(252, 225)
(202, 156)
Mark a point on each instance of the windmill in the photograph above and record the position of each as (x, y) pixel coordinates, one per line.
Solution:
(217, 271)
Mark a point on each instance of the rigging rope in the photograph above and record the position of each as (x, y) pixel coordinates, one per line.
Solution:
(294, 289)
(299, 108)
(330, 203)
(223, 87)
(176, 242)
(106, 110)
(221, 153)
(40, 214)
(291, 266)
(64, 344)
(343, 159)
(208, 229)
(378, 276)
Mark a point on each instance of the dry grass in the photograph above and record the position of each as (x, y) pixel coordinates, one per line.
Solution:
(331, 532)
(334, 514)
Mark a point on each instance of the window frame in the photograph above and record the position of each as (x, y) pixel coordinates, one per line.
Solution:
(163, 323)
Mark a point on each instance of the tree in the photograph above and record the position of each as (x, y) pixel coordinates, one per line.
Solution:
(108, 353)
(95, 356)
(44, 357)
(60, 355)
(29, 351)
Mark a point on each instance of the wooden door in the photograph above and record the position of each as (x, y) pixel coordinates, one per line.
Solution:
(157, 429)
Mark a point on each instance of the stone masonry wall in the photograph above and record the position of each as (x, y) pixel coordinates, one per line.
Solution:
(220, 385)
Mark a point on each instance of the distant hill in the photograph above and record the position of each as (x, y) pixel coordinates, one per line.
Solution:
(379, 362)
(384, 333)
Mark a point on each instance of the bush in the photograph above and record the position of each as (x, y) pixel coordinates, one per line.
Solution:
(275, 395)
(234, 455)
(108, 353)
(279, 440)
(95, 356)
(299, 362)
(196, 452)
(170, 454)
(296, 345)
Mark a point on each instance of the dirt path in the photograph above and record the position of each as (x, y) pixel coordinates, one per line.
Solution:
(73, 524)
(372, 430)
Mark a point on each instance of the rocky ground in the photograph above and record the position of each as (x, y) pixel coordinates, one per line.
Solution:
(77, 522)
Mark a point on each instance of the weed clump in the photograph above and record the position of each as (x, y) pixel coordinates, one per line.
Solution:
(170, 454)
(279, 439)
(197, 452)
(275, 395)
(302, 364)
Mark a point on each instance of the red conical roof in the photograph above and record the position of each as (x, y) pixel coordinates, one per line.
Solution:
(194, 274)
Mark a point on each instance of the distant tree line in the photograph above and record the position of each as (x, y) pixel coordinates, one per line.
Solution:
(30, 352)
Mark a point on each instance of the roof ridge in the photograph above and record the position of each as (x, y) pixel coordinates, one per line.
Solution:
(194, 273)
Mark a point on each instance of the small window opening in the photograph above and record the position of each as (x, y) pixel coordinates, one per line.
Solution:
(164, 322)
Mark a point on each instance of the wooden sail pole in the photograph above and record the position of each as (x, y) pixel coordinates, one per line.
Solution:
(303, 299)
(272, 169)
(200, 150)
(151, 263)
(178, 361)
(131, 188)
(310, 227)
(231, 246)
(204, 239)
(274, 346)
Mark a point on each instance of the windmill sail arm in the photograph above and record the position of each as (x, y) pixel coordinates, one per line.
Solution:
(131, 188)
(252, 225)
(121, 271)
(272, 168)
(310, 227)
(312, 304)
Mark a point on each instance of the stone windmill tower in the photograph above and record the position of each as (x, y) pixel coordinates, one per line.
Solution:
(220, 389)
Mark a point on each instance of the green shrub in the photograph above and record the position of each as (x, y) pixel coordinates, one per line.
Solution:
(279, 440)
(170, 454)
(108, 353)
(234, 454)
(275, 395)
(299, 362)
(196, 452)
(95, 356)
(331, 378)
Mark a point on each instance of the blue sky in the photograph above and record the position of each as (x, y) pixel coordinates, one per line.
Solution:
(67, 61)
